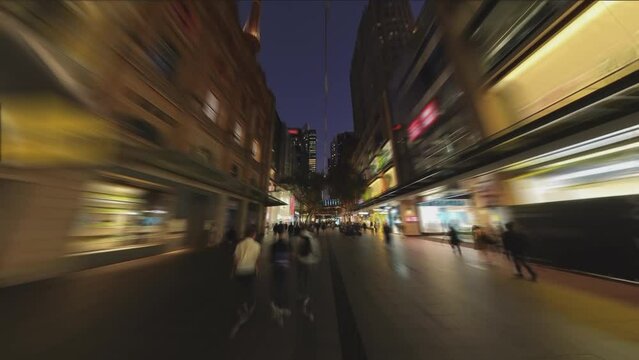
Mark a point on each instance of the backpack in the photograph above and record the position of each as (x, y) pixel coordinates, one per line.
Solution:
(305, 247)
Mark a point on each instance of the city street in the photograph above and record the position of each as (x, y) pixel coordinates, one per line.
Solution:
(412, 300)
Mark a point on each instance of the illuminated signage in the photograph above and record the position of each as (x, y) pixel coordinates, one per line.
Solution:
(423, 121)
(444, 202)
(293, 131)
(331, 202)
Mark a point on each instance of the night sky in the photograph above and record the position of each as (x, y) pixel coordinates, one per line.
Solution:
(292, 56)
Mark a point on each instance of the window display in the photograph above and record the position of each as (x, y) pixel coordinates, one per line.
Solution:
(115, 215)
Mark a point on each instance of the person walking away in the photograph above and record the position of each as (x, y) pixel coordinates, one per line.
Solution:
(308, 254)
(245, 269)
(516, 244)
(454, 240)
(280, 262)
(387, 233)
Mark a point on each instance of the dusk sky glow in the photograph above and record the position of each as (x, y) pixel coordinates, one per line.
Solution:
(292, 56)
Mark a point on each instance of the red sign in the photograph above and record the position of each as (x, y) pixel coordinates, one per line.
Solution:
(293, 131)
(423, 121)
(291, 205)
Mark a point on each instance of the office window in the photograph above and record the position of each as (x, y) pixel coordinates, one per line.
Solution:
(211, 106)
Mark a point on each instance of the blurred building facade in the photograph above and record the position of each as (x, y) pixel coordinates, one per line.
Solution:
(522, 111)
(161, 137)
(384, 31)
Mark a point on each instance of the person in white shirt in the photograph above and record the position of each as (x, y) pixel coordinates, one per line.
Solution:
(308, 254)
(245, 270)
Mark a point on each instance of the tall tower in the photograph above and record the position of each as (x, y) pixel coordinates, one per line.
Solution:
(252, 26)
(311, 142)
(383, 32)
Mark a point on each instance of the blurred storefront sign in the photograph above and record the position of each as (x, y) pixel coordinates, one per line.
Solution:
(595, 49)
(382, 159)
(423, 121)
(50, 131)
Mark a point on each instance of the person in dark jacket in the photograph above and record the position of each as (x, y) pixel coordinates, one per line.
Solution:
(454, 240)
(515, 244)
(387, 233)
(280, 262)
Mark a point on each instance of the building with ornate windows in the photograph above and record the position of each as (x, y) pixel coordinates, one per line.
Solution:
(159, 126)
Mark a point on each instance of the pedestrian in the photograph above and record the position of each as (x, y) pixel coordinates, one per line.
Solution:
(317, 227)
(483, 243)
(364, 226)
(387, 233)
(290, 230)
(308, 254)
(280, 263)
(245, 270)
(515, 244)
(453, 238)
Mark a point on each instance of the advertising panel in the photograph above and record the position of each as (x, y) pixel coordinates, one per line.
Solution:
(423, 121)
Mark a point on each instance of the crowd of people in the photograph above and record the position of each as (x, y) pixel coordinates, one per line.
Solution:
(294, 246)
(514, 245)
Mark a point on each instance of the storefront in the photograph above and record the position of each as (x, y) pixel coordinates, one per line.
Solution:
(117, 215)
(437, 215)
(284, 213)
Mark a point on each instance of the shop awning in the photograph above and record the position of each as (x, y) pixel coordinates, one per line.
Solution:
(272, 201)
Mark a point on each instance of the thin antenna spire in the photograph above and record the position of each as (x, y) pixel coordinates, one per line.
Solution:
(326, 139)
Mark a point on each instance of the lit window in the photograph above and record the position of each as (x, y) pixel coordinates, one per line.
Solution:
(211, 106)
(255, 150)
(238, 133)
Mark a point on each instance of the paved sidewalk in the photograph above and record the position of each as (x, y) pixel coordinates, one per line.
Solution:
(261, 338)
(417, 300)
(593, 285)
(174, 306)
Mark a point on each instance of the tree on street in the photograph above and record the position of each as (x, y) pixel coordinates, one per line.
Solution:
(346, 184)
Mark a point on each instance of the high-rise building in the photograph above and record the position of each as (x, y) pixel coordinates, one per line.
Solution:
(299, 152)
(342, 148)
(304, 143)
(383, 31)
(282, 151)
(310, 137)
